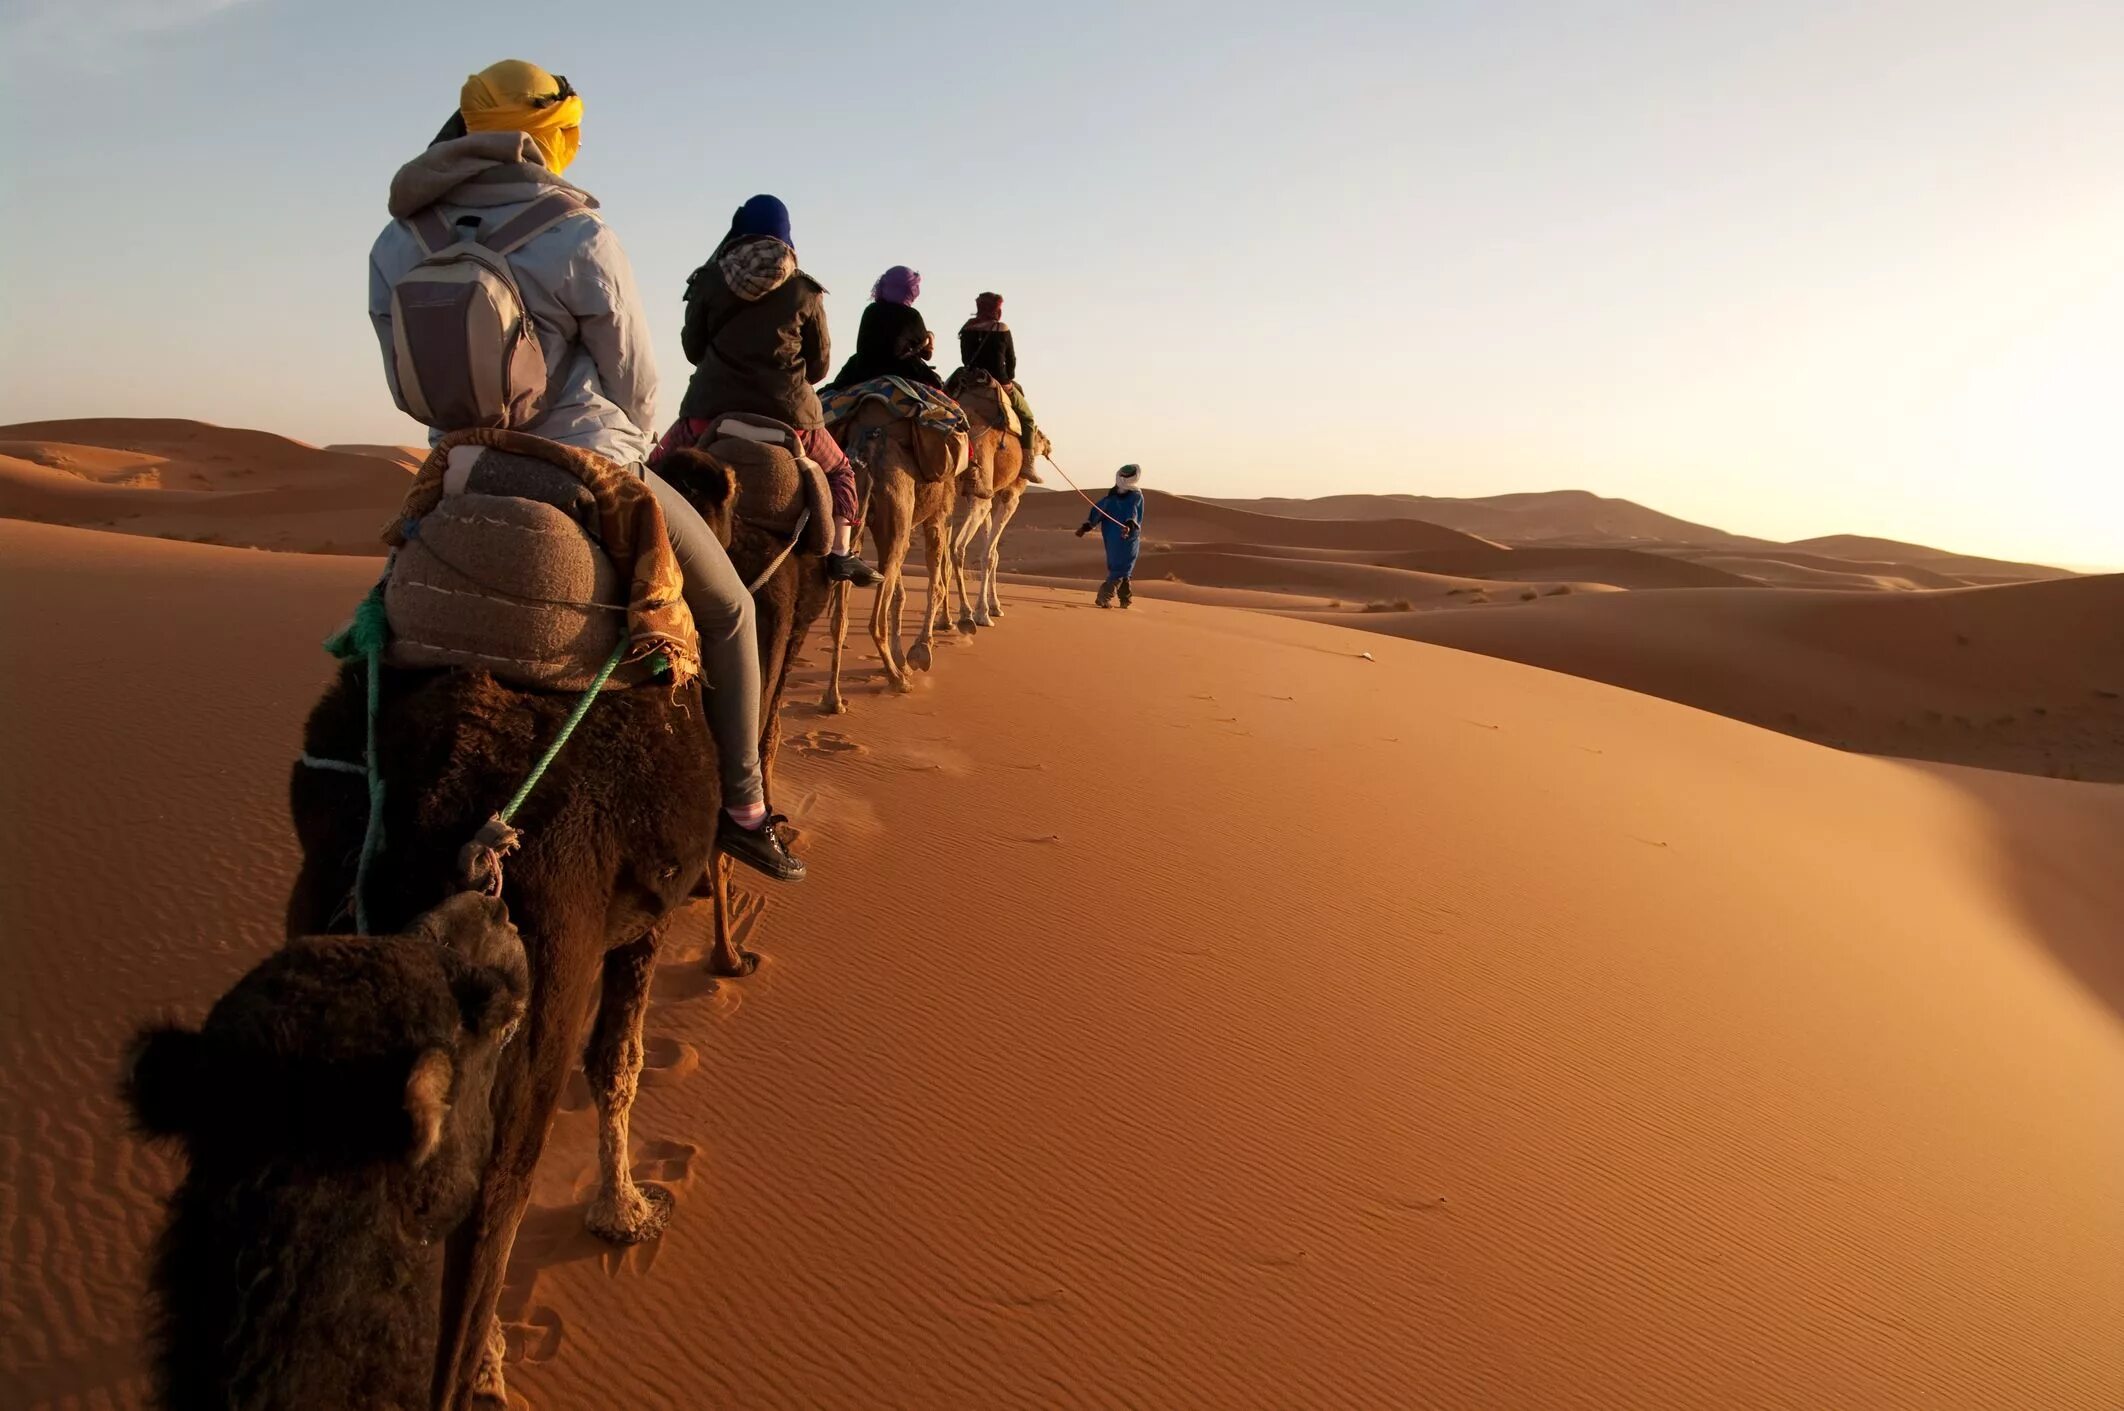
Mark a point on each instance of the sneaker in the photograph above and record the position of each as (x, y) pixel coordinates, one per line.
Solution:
(761, 848)
(1106, 594)
(1127, 594)
(848, 568)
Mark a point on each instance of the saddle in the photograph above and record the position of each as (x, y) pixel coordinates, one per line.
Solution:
(972, 384)
(506, 573)
(937, 425)
(780, 490)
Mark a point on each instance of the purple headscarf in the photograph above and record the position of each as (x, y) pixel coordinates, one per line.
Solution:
(898, 285)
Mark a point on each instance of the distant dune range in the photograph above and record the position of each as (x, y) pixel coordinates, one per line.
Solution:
(1864, 643)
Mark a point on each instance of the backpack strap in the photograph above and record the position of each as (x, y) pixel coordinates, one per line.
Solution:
(535, 219)
(431, 230)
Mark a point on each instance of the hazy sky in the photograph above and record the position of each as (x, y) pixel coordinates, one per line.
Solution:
(1785, 267)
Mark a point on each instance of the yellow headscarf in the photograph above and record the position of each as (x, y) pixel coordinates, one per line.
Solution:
(513, 96)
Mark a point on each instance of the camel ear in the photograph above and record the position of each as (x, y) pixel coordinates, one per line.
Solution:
(428, 1101)
(491, 1001)
(166, 1080)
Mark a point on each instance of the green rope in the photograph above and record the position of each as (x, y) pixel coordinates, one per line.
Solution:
(575, 718)
(365, 637)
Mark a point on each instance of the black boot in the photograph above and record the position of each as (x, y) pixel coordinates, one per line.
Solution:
(761, 848)
(848, 568)
(1106, 593)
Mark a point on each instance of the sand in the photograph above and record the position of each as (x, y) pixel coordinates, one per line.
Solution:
(1184, 1011)
(207, 484)
(2028, 677)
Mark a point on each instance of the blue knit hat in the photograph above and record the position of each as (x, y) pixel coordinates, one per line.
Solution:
(763, 215)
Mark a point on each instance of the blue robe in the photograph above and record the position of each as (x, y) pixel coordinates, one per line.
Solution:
(1121, 549)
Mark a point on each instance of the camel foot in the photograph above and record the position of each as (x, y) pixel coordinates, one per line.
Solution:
(967, 626)
(489, 1393)
(984, 619)
(918, 658)
(618, 1220)
(833, 705)
(747, 962)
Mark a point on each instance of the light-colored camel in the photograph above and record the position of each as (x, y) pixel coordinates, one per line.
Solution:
(986, 555)
(905, 494)
(996, 474)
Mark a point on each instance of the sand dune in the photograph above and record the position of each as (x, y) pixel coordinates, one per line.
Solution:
(406, 458)
(1523, 518)
(188, 480)
(1174, 519)
(1186, 1012)
(2028, 677)
(1968, 567)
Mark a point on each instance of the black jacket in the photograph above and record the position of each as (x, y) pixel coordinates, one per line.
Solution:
(987, 345)
(891, 341)
(758, 356)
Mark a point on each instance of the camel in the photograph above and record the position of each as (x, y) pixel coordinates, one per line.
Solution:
(994, 480)
(905, 495)
(986, 556)
(333, 1111)
(614, 839)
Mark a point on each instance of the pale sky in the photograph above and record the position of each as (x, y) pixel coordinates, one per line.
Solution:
(1785, 267)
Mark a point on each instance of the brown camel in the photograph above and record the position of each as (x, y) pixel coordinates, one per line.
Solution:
(787, 603)
(333, 1111)
(614, 839)
(906, 493)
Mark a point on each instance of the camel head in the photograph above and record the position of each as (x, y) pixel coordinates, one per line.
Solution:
(339, 1053)
(708, 483)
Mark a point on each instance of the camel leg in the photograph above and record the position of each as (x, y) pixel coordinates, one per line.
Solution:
(885, 630)
(938, 550)
(885, 608)
(990, 605)
(622, 1212)
(833, 704)
(968, 547)
(535, 1066)
(726, 957)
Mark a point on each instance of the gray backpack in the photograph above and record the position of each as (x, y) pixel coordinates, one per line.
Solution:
(463, 349)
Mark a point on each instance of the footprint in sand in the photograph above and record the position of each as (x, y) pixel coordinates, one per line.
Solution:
(824, 742)
(536, 1339)
(667, 1060)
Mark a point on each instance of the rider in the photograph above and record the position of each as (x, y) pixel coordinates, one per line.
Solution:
(516, 130)
(756, 333)
(1119, 515)
(985, 343)
(892, 340)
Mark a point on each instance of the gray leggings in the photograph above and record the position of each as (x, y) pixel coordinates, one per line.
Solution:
(730, 646)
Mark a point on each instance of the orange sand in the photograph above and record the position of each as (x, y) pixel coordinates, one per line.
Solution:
(2026, 676)
(1184, 1012)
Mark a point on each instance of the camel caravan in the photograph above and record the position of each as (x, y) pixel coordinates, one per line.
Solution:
(554, 725)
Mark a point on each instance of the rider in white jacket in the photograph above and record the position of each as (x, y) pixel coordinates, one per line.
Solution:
(516, 130)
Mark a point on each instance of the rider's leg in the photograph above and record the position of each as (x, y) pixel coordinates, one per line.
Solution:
(730, 672)
(842, 563)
